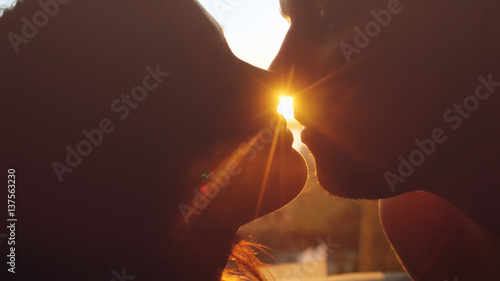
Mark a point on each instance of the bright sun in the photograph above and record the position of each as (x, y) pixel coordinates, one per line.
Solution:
(285, 108)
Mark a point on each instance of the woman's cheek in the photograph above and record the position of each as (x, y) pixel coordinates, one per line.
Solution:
(261, 176)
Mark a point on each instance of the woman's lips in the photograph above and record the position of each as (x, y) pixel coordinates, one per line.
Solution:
(285, 135)
(289, 137)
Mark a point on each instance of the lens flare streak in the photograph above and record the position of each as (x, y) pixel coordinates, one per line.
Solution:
(268, 169)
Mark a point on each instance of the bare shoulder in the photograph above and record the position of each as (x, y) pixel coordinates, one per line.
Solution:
(434, 241)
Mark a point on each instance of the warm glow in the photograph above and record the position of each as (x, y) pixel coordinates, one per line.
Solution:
(285, 108)
(253, 29)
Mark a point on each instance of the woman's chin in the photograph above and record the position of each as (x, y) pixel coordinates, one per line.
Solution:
(290, 177)
(286, 180)
(263, 181)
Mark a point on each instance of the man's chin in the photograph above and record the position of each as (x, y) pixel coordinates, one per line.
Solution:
(341, 172)
(350, 181)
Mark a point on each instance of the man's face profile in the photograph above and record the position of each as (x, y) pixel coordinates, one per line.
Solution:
(372, 76)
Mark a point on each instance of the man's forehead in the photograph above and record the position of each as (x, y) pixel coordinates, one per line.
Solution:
(302, 5)
(296, 5)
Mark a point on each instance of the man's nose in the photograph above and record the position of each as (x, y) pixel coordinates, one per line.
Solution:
(288, 53)
(296, 69)
(294, 61)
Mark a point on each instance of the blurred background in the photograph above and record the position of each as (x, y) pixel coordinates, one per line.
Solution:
(5, 4)
(315, 237)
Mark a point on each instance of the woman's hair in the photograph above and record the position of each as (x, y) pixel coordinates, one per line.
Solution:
(63, 84)
(244, 264)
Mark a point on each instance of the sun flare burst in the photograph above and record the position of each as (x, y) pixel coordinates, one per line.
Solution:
(285, 108)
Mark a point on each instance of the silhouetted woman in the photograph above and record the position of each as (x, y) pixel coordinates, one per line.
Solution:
(138, 142)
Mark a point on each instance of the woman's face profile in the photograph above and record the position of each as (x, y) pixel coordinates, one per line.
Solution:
(371, 76)
(253, 177)
(206, 99)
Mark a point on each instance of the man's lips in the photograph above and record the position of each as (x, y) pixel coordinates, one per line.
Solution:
(316, 142)
(307, 135)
